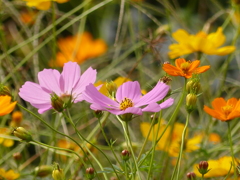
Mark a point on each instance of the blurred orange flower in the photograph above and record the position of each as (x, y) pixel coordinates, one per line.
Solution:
(78, 49)
(8, 175)
(17, 117)
(42, 4)
(6, 106)
(201, 42)
(28, 17)
(217, 168)
(184, 68)
(224, 110)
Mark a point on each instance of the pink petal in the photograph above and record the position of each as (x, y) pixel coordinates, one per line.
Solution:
(89, 76)
(131, 110)
(155, 95)
(33, 93)
(129, 90)
(42, 107)
(69, 77)
(167, 103)
(153, 107)
(92, 95)
(49, 79)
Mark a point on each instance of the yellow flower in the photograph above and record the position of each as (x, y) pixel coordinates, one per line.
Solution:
(6, 142)
(6, 106)
(201, 42)
(218, 167)
(42, 4)
(171, 142)
(8, 175)
(78, 49)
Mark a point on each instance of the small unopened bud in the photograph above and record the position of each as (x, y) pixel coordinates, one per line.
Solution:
(90, 173)
(111, 88)
(58, 173)
(23, 134)
(43, 171)
(57, 102)
(4, 91)
(191, 101)
(203, 167)
(193, 85)
(17, 156)
(125, 155)
(166, 79)
(154, 118)
(191, 176)
(98, 114)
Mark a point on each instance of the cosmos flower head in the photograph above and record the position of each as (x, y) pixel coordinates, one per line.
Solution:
(68, 85)
(129, 99)
(201, 42)
(184, 68)
(224, 110)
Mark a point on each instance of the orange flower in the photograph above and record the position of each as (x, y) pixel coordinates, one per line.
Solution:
(224, 110)
(78, 48)
(184, 68)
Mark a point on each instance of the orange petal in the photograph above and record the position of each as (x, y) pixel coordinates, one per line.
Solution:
(232, 101)
(179, 61)
(194, 65)
(214, 113)
(171, 70)
(218, 103)
(202, 69)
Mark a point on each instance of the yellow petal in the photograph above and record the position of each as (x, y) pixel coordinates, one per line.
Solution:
(8, 142)
(181, 36)
(217, 38)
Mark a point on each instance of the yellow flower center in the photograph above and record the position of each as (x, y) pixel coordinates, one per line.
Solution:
(185, 66)
(126, 103)
(227, 109)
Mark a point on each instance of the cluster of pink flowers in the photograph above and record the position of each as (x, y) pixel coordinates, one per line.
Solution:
(70, 83)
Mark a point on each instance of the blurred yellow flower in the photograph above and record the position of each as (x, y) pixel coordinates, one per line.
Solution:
(42, 4)
(201, 42)
(118, 81)
(171, 139)
(218, 167)
(8, 175)
(6, 106)
(78, 49)
(6, 142)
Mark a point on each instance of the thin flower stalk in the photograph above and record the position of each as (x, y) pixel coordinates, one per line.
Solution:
(231, 148)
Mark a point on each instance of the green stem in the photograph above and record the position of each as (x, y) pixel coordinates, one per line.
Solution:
(54, 32)
(129, 144)
(84, 139)
(181, 150)
(231, 148)
(171, 120)
(146, 140)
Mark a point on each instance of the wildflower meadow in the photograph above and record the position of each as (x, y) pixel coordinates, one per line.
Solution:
(119, 89)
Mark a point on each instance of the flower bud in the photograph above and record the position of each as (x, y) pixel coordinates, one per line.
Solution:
(43, 171)
(4, 91)
(203, 167)
(90, 173)
(17, 156)
(57, 102)
(58, 173)
(191, 101)
(125, 155)
(191, 176)
(165, 79)
(193, 85)
(23, 134)
(111, 88)
(98, 114)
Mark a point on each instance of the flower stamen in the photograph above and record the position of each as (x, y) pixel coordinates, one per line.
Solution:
(126, 103)
(185, 66)
(227, 109)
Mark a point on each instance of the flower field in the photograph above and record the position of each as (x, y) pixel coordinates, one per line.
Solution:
(119, 90)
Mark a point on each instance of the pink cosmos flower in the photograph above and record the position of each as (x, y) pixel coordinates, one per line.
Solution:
(69, 83)
(129, 99)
